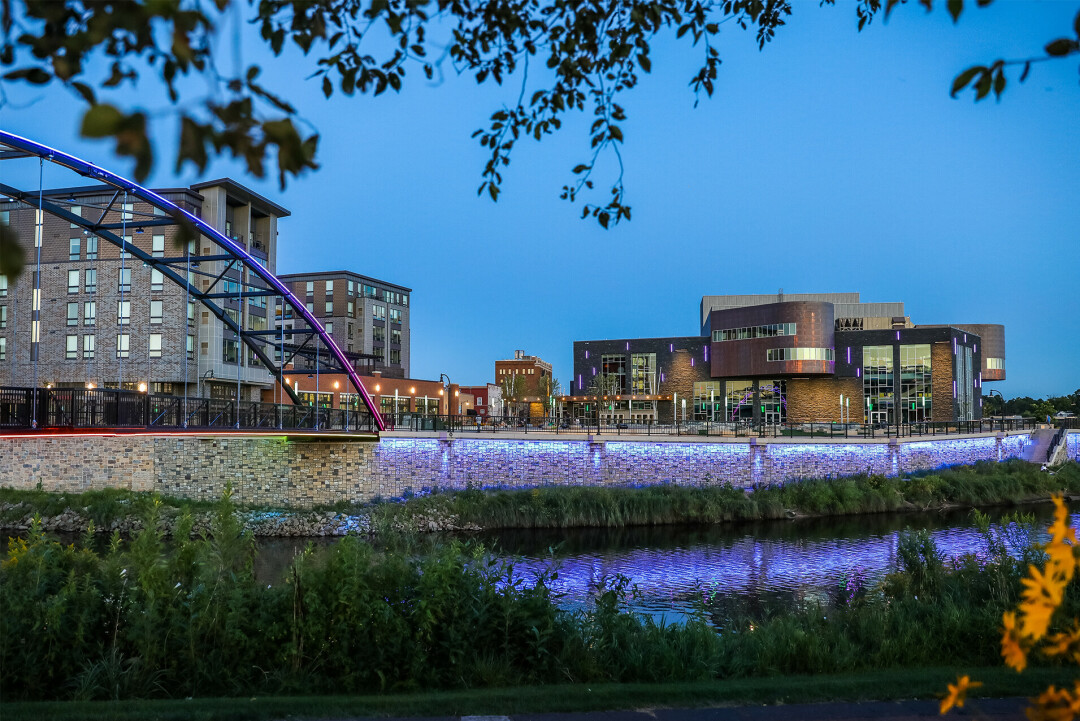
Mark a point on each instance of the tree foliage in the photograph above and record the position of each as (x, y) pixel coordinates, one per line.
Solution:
(592, 53)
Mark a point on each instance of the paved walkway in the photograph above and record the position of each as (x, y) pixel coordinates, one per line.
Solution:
(986, 709)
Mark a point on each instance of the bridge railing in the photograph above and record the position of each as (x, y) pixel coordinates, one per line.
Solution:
(419, 423)
(110, 408)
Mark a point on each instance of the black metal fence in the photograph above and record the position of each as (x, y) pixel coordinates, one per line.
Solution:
(73, 408)
(414, 422)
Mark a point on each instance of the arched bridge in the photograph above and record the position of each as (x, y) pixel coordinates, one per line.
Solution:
(209, 269)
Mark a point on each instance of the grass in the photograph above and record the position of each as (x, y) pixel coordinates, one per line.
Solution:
(983, 484)
(880, 686)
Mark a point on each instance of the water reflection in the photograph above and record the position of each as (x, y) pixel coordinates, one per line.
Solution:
(761, 567)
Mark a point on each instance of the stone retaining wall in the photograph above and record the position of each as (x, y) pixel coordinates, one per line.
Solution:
(299, 473)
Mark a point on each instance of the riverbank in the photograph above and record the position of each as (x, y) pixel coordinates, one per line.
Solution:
(984, 484)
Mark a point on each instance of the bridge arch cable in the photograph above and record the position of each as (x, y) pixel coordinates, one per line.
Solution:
(184, 268)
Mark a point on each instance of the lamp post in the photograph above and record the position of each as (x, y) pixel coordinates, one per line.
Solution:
(991, 393)
(449, 402)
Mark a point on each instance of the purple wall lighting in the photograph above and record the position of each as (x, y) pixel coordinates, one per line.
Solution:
(849, 354)
(627, 345)
(586, 355)
(579, 383)
(671, 347)
(691, 361)
(706, 354)
(954, 389)
(594, 370)
(897, 335)
(858, 372)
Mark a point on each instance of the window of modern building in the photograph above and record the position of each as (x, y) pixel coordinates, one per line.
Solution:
(916, 384)
(88, 346)
(310, 287)
(378, 312)
(643, 374)
(229, 351)
(123, 345)
(965, 384)
(90, 312)
(370, 291)
(995, 364)
(310, 307)
(157, 311)
(191, 311)
(191, 347)
(126, 211)
(878, 384)
(73, 281)
(799, 354)
(349, 309)
(395, 315)
(256, 322)
(91, 280)
(329, 286)
(328, 309)
(3, 316)
(3, 348)
(72, 313)
(738, 401)
(3, 286)
(772, 395)
(76, 210)
(155, 345)
(378, 334)
(329, 327)
(91, 247)
(756, 331)
(395, 356)
(614, 366)
(709, 401)
(395, 336)
(157, 246)
(123, 312)
(157, 280)
(349, 287)
(123, 279)
(71, 347)
(74, 248)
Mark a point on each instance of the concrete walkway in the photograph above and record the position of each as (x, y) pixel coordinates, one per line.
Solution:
(612, 437)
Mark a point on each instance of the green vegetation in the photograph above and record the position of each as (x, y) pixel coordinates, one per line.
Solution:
(880, 685)
(984, 484)
(138, 620)
(101, 506)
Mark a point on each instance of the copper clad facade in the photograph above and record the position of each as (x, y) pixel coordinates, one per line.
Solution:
(748, 358)
(993, 339)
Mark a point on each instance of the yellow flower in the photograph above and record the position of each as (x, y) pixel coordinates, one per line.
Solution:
(1011, 650)
(1055, 704)
(958, 693)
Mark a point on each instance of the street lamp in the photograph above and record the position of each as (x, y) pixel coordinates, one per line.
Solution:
(991, 393)
(449, 402)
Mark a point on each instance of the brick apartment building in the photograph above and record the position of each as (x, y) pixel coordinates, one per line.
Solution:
(791, 358)
(106, 320)
(521, 381)
(368, 318)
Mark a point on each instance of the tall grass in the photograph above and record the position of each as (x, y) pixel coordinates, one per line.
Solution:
(982, 484)
(140, 620)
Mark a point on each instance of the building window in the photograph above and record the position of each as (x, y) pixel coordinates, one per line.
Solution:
(395, 315)
(329, 327)
(328, 308)
(878, 383)
(643, 375)
(771, 330)
(995, 364)
(738, 401)
(349, 328)
(350, 310)
(123, 312)
(74, 248)
(773, 398)
(404, 299)
(88, 346)
(329, 286)
(311, 307)
(157, 246)
(156, 312)
(310, 287)
(229, 351)
(123, 280)
(91, 247)
(395, 336)
(916, 384)
(709, 401)
(72, 313)
(350, 287)
(3, 286)
(395, 357)
(72, 347)
(123, 341)
(125, 210)
(157, 279)
(3, 316)
(76, 210)
(91, 280)
(378, 312)
(155, 345)
(378, 334)
(799, 354)
(370, 292)
(191, 347)
(73, 281)
(3, 348)
(613, 366)
(191, 311)
(90, 312)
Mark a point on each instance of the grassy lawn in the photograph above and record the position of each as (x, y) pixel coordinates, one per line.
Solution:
(883, 685)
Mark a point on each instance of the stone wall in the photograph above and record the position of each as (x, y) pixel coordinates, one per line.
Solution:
(941, 382)
(273, 471)
(817, 400)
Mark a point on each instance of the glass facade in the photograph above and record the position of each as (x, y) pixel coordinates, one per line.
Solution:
(755, 331)
(916, 384)
(798, 354)
(739, 401)
(643, 374)
(614, 366)
(773, 398)
(708, 401)
(877, 373)
(995, 364)
(965, 384)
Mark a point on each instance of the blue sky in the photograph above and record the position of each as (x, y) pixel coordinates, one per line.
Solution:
(831, 161)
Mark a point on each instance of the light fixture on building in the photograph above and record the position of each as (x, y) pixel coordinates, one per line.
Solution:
(412, 391)
(336, 384)
(440, 391)
(90, 386)
(377, 387)
(142, 388)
